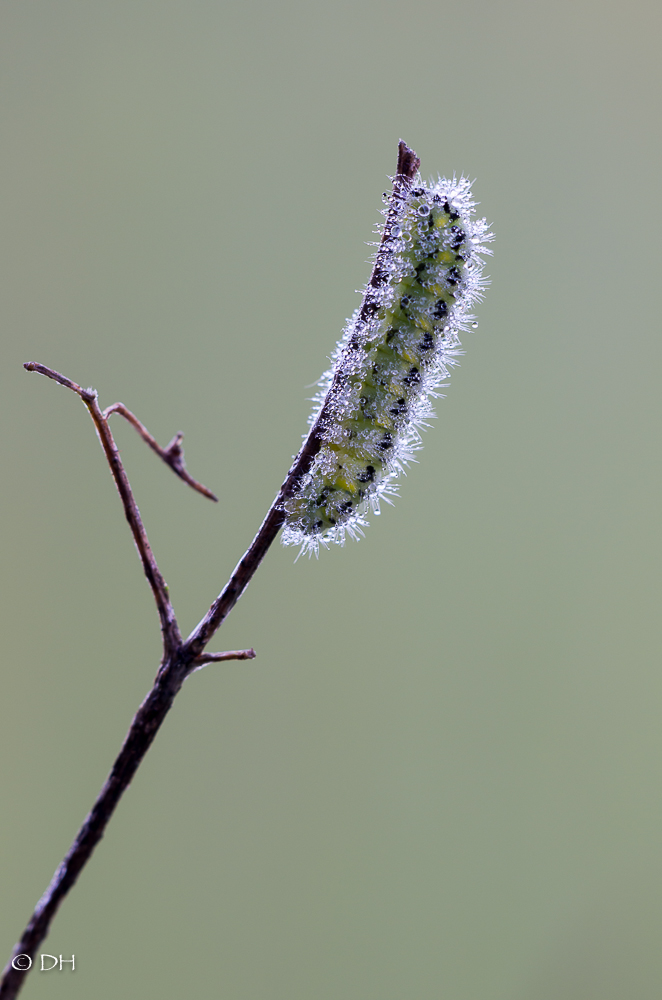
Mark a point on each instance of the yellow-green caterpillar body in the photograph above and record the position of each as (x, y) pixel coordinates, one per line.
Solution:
(394, 353)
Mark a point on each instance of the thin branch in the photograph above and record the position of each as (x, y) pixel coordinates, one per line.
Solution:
(172, 454)
(169, 627)
(180, 658)
(143, 729)
(231, 654)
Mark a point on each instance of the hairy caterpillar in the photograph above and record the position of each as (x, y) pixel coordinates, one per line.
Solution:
(395, 352)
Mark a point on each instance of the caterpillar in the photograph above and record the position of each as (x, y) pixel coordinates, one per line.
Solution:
(394, 354)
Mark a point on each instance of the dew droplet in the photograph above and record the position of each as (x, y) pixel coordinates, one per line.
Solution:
(474, 325)
(423, 210)
(395, 231)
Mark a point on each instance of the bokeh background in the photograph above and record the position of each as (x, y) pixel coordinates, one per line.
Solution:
(441, 776)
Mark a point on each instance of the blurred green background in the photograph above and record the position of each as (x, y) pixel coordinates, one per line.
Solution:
(441, 776)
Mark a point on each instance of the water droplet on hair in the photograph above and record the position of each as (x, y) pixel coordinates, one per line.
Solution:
(474, 325)
(423, 209)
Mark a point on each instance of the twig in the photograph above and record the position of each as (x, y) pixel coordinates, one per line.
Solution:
(172, 454)
(232, 654)
(179, 658)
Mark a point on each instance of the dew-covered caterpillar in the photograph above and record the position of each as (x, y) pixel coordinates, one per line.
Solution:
(395, 352)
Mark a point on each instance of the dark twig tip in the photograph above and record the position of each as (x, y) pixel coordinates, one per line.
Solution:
(408, 161)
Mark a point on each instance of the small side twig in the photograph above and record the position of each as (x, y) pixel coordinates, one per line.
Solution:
(231, 654)
(179, 658)
(172, 454)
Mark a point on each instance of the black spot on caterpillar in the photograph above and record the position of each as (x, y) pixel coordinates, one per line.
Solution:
(399, 407)
(394, 353)
(413, 376)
